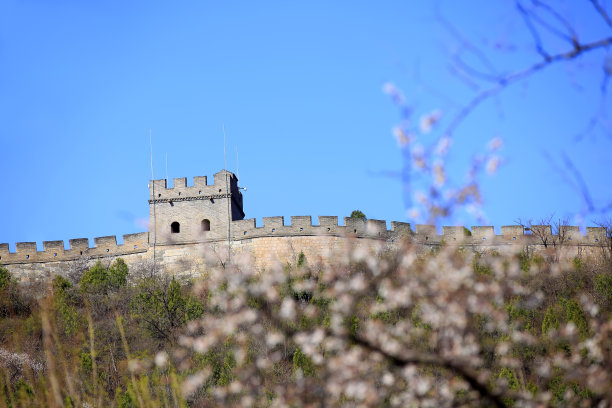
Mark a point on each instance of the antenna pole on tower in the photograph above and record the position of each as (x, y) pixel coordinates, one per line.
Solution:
(153, 193)
(227, 195)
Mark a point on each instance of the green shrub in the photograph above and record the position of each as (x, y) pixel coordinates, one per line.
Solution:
(193, 309)
(550, 320)
(11, 299)
(161, 307)
(60, 284)
(508, 375)
(577, 264)
(301, 259)
(302, 362)
(125, 399)
(524, 260)
(603, 286)
(575, 314)
(64, 305)
(358, 214)
(23, 392)
(5, 278)
(480, 269)
(353, 325)
(86, 362)
(118, 273)
(225, 375)
(99, 279)
(95, 279)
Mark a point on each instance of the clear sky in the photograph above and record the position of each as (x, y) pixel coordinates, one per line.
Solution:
(299, 88)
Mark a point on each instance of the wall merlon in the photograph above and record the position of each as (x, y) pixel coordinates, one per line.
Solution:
(79, 243)
(328, 221)
(541, 230)
(483, 234)
(595, 234)
(512, 232)
(140, 238)
(402, 228)
(376, 227)
(25, 247)
(273, 222)
(4, 250)
(53, 246)
(570, 233)
(425, 229)
(355, 225)
(180, 182)
(158, 185)
(106, 242)
(200, 181)
(301, 221)
(219, 178)
(455, 233)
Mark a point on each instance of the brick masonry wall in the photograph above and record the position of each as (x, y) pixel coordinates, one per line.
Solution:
(270, 249)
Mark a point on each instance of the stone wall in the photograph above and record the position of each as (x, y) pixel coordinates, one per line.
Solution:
(275, 241)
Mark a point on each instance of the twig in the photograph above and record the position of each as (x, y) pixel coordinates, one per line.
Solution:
(514, 77)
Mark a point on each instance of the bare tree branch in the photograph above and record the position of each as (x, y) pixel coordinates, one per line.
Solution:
(573, 36)
(602, 12)
(505, 81)
(584, 190)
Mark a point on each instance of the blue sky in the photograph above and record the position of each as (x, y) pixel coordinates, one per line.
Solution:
(298, 87)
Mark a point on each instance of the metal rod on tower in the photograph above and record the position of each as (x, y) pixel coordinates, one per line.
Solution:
(153, 193)
(227, 195)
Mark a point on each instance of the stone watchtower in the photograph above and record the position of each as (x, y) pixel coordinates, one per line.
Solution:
(192, 214)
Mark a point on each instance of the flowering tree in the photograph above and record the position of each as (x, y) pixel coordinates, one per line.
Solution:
(403, 327)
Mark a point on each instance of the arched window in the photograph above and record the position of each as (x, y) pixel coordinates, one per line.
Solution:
(175, 227)
(205, 225)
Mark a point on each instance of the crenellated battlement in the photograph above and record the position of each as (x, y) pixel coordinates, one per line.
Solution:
(425, 234)
(54, 251)
(200, 189)
(477, 236)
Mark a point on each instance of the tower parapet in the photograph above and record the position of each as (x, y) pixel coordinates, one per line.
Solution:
(182, 213)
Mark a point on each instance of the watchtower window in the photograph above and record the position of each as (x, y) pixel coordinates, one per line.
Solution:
(175, 227)
(205, 225)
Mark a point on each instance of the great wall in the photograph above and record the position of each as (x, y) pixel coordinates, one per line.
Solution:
(189, 229)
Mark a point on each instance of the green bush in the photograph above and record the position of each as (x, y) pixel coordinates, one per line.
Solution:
(86, 362)
(603, 286)
(302, 362)
(99, 279)
(5, 277)
(64, 304)
(550, 321)
(575, 314)
(118, 273)
(301, 259)
(162, 309)
(358, 214)
(11, 300)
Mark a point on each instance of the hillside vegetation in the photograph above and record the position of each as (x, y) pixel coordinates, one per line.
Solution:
(399, 327)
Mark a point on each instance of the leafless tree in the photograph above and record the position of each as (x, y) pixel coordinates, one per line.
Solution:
(548, 231)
